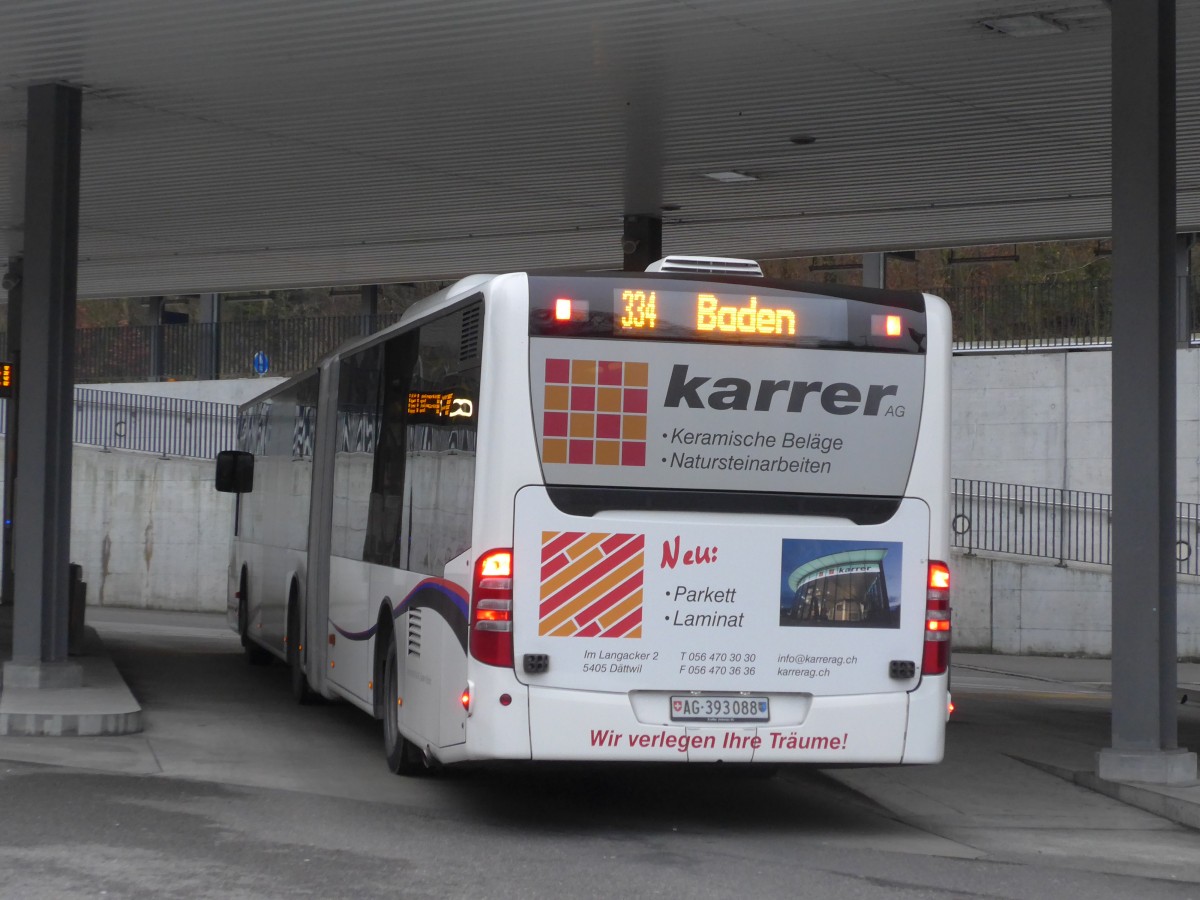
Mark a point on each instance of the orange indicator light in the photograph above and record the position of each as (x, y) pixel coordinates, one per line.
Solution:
(466, 699)
(893, 326)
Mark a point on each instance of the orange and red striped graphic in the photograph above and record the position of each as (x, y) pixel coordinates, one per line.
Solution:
(591, 584)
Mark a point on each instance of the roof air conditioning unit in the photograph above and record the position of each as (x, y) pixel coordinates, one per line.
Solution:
(706, 265)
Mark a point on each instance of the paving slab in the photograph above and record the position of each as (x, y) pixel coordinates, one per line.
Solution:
(99, 703)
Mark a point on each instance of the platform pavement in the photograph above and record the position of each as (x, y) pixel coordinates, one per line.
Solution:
(1042, 715)
(101, 705)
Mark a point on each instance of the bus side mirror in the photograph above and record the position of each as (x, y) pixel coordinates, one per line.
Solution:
(235, 472)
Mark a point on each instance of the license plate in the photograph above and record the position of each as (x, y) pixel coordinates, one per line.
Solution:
(720, 709)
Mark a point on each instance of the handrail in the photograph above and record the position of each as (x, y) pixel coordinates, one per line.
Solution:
(167, 426)
(1052, 523)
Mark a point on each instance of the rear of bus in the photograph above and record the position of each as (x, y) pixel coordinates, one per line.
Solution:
(734, 551)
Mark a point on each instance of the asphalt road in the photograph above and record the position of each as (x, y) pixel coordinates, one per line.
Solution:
(234, 791)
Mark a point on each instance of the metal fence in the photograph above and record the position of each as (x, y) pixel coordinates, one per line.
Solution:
(1050, 523)
(986, 319)
(167, 426)
(209, 350)
(1018, 317)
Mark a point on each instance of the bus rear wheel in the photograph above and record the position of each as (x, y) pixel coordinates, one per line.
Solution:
(403, 756)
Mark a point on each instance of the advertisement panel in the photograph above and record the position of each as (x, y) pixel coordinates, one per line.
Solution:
(624, 602)
(680, 415)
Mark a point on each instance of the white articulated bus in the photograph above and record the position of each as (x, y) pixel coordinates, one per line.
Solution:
(691, 514)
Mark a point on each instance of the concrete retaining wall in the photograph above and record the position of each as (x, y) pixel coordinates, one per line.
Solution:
(1005, 605)
(152, 532)
(1046, 419)
(149, 532)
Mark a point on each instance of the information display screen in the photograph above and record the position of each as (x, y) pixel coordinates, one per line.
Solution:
(674, 309)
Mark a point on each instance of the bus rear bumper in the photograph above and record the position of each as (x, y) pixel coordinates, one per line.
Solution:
(859, 730)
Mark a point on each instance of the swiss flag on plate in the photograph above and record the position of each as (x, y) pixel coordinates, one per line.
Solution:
(678, 705)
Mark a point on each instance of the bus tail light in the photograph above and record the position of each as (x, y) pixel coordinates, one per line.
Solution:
(936, 657)
(491, 609)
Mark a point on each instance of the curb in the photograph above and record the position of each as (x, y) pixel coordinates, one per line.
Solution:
(1179, 804)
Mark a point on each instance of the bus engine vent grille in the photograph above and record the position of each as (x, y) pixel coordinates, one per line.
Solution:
(716, 265)
(468, 349)
(414, 631)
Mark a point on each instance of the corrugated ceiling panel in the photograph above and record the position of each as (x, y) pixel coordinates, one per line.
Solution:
(250, 143)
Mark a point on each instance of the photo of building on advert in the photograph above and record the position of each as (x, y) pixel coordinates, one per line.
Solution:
(840, 584)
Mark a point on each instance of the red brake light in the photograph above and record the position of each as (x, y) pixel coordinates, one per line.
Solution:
(562, 309)
(491, 609)
(936, 657)
(939, 576)
(497, 564)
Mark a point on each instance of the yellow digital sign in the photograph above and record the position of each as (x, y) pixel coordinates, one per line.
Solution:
(639, 312)
(441, 406)
(640, 309)
(748, 319)
(6, 379)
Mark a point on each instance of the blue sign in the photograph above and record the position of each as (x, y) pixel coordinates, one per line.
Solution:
(261, 363)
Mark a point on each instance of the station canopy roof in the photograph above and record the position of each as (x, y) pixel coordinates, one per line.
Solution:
(240, 144)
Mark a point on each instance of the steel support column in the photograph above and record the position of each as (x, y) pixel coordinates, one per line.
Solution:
(641, 242)
(1183, 289)
(368, 307)
(154, 309)
(1144, 724)
(42, 502)
(874, 270)
(12, 283)
(210, 342)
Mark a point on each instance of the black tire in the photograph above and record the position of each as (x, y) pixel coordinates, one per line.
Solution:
(255, 654)
(300, 688)
(403, 756)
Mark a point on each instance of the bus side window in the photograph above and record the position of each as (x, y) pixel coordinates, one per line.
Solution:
(386, 507)
(357, 423)
(442, 431)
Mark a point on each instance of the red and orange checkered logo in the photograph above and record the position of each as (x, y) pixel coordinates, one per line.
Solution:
(591, 584)
(595, 412)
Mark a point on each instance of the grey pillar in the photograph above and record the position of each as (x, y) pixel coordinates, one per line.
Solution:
(874, 270)
(12, 282)
(210, 337)
(154, 307)
(1183, 292)
(369, 307)
(641, 242)
(42, 507)
(1144, 725)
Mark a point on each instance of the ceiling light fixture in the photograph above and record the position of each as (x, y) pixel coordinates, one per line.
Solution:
(730, 177)
(1029, 25)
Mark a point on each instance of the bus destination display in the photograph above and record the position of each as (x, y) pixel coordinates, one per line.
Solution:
(723, 315)
(637, 313)
(724, 312)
